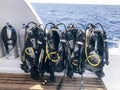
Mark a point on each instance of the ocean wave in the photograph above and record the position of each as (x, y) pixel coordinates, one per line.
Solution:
(107, 15)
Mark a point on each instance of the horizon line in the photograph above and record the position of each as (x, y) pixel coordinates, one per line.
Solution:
(77, 2)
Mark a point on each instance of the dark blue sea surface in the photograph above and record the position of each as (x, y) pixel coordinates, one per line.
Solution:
(107, 15)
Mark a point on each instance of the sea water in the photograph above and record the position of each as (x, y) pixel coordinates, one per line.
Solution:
(107, 15)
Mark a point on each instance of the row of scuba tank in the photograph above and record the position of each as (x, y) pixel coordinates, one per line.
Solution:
(71, 48)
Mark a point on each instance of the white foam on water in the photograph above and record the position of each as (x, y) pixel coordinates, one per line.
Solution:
(114, 51)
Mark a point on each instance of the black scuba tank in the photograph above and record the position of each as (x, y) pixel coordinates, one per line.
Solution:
(54, 60)
(9, 38)
(34, 43)
(95, 50)
(27, 50)
(75, 38)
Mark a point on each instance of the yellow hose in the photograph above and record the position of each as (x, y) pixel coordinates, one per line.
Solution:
(75, 63)
(29, 53)
(90, 56)
(48, 56)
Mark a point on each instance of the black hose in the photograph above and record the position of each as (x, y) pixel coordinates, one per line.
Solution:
(63, 25)
(81, 25)
(100, 25)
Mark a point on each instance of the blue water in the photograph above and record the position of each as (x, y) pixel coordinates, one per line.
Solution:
(107, 15)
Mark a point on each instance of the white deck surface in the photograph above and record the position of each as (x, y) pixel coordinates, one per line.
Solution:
(112, 72)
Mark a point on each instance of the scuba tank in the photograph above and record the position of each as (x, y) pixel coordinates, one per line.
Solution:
(54, 59)
(28, 52)
(9, 38)
(96, 49)
(75, 38)
(22, 37)
(32, 46)
(2, 53)
(56, 51)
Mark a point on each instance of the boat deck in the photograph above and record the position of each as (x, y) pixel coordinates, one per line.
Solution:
(24, 82)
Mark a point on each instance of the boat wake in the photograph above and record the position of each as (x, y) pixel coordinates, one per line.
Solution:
(115, 50)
